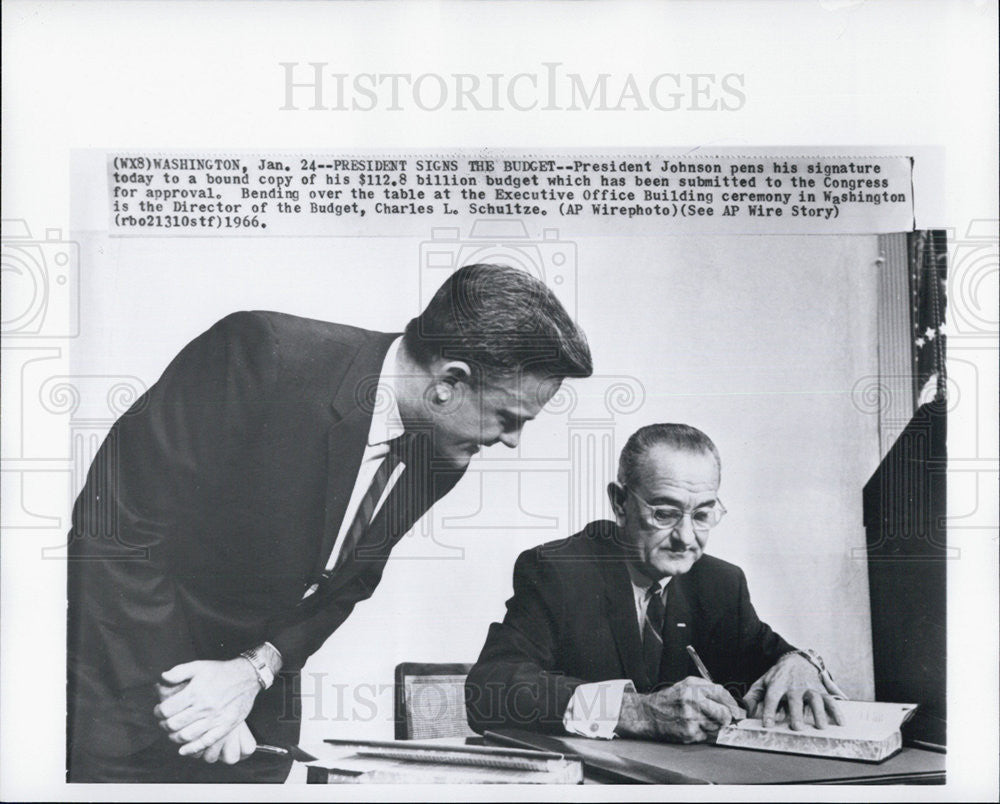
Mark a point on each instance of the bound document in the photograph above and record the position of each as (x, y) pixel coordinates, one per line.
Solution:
(870, 733)
(409, 762)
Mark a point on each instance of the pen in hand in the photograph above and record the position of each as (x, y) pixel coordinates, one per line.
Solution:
(702, 670)
(738, 714)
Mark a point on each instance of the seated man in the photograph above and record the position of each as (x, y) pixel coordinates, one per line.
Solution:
(596, 637)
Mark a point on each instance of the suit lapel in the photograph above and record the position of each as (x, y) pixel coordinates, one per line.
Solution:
(678, 632)
(347, 437)
(623, 618)
(678, 622)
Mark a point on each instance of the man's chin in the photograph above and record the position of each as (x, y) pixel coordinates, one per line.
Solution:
(676, 565)
(459, 458)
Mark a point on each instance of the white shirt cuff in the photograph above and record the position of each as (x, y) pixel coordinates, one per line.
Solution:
(594, 708)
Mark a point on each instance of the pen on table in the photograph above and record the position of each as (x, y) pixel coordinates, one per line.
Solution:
(290, 751)
(702, 670)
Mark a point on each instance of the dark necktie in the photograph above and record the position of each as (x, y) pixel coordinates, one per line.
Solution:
(372, 534)
(366, 510)
(652, 633)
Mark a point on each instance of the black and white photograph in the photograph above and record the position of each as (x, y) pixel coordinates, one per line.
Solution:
(442, 432)
(459, 458)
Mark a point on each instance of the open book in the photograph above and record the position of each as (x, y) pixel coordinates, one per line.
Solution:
(409, 762)
(870, 733)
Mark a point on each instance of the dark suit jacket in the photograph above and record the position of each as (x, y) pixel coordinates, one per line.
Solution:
(210, 509)
(572, 620)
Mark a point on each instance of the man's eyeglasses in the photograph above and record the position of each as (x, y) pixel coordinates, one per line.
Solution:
(666, 517)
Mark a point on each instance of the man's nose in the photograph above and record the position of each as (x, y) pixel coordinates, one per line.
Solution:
(684, 533)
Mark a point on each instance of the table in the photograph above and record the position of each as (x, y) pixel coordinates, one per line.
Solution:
(642, 762)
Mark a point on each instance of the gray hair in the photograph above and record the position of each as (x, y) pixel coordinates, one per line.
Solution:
(681, 437)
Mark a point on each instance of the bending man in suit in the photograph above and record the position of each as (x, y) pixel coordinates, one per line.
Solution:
(595, 638)
(236, 514)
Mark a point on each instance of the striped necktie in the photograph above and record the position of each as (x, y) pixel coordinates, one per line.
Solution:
(366, 510)
(652, 633)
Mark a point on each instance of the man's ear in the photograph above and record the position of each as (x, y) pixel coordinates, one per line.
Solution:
(445, 378)
(454, 372)
(616, 494)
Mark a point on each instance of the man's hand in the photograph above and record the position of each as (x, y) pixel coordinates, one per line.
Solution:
(237, 745)
(213, 699)
(690, 711)
(795, 682)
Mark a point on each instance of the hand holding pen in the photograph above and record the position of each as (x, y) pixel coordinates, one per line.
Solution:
(692, 710)
(738, 713)
(802, 696)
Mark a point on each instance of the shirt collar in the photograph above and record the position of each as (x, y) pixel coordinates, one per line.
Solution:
(387, 424)
(640, 583)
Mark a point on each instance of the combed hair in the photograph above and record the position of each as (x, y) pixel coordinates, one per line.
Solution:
(500, 320)
(681, 437)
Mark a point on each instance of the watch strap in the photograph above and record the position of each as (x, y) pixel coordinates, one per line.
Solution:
(265, 676)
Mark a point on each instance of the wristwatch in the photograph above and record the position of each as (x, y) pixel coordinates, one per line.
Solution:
(816, 661)
(265, 676)
(812, 657)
